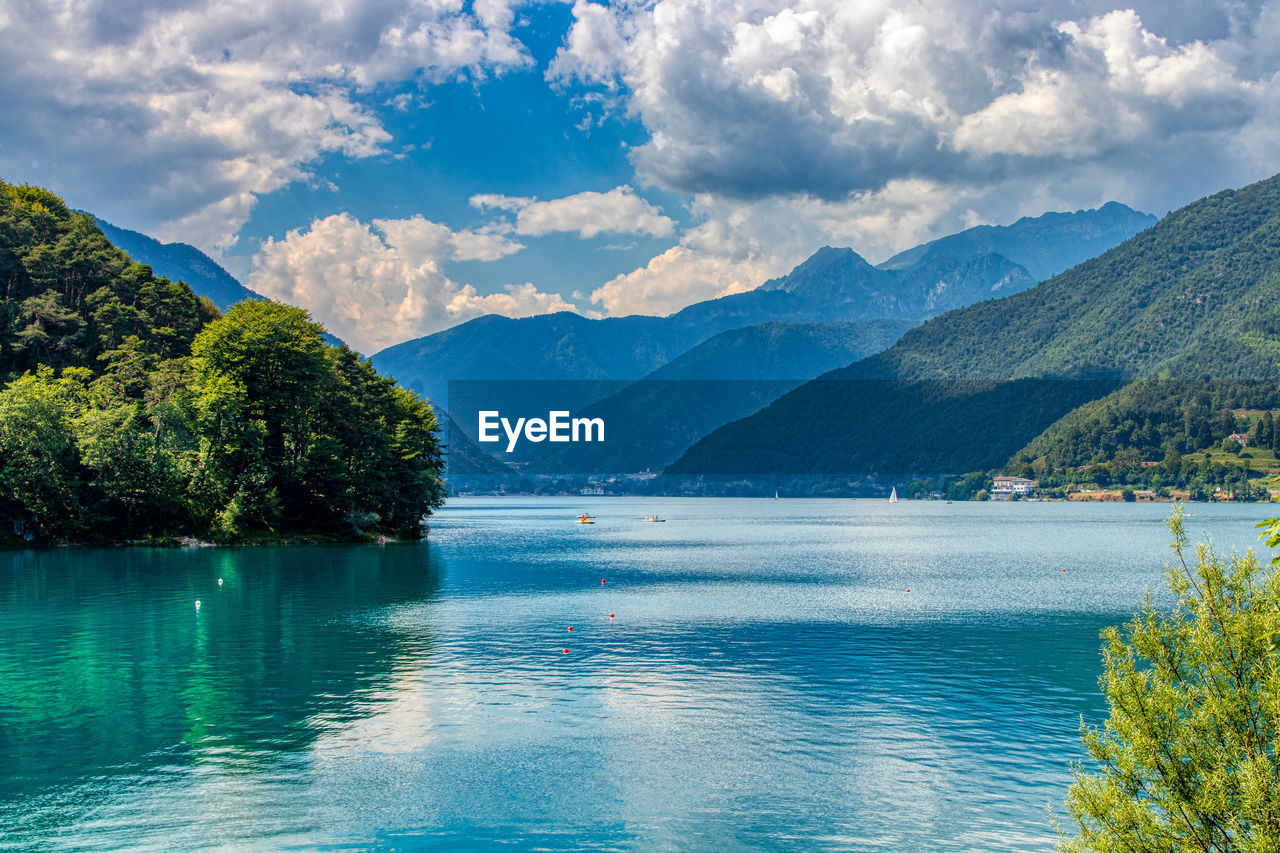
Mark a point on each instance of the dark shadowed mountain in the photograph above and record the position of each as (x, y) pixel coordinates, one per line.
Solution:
(733, 374)
(180, 262)
(1196, 296)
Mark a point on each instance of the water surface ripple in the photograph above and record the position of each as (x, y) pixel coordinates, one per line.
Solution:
(767, 681)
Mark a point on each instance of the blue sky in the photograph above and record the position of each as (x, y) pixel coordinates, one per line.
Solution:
(399, 167)
(512, 134)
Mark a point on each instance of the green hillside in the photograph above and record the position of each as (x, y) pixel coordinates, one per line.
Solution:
(1197, 295)
(71, 299)
(1163, 434)
(131, 410)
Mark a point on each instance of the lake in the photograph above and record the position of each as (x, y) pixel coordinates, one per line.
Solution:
(750, 675)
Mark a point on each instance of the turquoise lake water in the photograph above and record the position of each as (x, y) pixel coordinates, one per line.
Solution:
(767, 681)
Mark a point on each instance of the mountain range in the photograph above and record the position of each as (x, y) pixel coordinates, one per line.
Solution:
(833, 285)
(1197, 295)
(1162, 343)
(830, 310)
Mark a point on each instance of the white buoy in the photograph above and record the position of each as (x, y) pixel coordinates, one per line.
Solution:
(197, 604)
(219, 581)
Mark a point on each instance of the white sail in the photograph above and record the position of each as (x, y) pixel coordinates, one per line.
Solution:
(893, 495)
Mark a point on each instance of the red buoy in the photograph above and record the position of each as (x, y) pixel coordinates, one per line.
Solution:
(610, 615)
(908, 590)
(570, 627)
(601, 581)
(566, 651)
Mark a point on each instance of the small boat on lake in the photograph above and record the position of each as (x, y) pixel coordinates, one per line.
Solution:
(586, 519)
(654, 518)
(893, 495)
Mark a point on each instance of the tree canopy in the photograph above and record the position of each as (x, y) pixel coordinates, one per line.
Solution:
(1189, 757)
(132, 409)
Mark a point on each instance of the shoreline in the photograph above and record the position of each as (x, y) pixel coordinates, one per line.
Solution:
(1074, 497)
(195, 542)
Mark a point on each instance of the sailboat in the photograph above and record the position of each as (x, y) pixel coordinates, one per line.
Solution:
(893, 495)
(775, 496)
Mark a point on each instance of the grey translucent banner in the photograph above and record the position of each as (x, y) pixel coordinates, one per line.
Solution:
(821, 436)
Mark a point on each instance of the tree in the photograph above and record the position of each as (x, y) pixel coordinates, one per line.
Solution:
(296, 434)
(260, 377)
(135, 484)
(1188, 757)
(41, 479)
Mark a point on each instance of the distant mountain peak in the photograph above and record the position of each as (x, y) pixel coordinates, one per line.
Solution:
(825, 263)
(1043, 245)
(832, 285)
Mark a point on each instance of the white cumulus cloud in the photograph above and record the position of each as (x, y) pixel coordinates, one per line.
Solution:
(588, 214)
(176, 116)
(1117, 84)
(678, 277)
(754, 99)
(379, 283)
(884, 123)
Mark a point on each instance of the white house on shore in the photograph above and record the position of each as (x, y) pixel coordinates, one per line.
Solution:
(1005, 488)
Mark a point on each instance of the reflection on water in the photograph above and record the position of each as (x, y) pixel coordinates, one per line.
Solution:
(767, 681)
(109, 671)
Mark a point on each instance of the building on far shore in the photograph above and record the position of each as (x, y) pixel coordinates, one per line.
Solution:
(1006, 488)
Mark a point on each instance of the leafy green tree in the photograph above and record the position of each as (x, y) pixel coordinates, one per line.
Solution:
(392, 447)
(1188, 758)
(260, 376)
(41, 479)
(135, 484)
(296, 434)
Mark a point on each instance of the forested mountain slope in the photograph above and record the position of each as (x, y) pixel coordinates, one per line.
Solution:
(1193, 296)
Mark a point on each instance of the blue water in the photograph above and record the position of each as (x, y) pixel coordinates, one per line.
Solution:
(767, 681)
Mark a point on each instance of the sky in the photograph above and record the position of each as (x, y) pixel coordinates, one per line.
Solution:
(401, 166)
